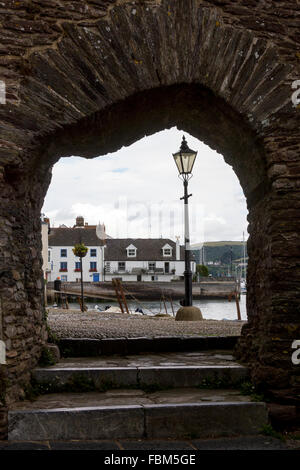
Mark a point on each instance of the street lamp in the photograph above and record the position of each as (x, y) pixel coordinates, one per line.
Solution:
(185, 159)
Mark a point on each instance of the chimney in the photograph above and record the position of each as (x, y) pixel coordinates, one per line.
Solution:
(79, 221)
(177, 248)
(47, 221)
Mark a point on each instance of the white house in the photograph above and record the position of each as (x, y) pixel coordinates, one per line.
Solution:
(151, 259)
(107, 258)
(63, 264)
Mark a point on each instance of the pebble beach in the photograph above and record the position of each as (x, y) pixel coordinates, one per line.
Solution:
(94, 324)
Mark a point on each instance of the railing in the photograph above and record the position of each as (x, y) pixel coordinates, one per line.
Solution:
(142, 271)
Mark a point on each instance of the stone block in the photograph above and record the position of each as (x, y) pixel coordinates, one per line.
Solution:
(102, 378)
(166, 343)
(192, 376)
(83, 347)
(204, 420)
(138, 345)
(113, 346)
(200, 343)
(77, 423)
(54, 350)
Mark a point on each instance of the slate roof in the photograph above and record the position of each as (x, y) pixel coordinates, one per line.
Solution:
(70, 236)
(148, 249)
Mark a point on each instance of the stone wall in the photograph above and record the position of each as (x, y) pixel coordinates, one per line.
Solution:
(3, 407)
(88, 77)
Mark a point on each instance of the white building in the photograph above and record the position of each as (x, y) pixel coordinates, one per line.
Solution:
(150, 259)
(107, 258)
(62, 262)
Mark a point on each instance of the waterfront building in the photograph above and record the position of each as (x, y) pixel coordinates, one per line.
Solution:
(107, 258)
(151, 259)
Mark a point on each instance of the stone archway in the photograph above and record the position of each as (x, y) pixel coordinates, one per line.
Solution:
(89, 77)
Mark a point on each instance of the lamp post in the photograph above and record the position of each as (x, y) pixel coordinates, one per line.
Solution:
(80, 250)
(185, 159)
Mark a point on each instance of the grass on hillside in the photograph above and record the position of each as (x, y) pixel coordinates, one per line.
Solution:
(222, 243)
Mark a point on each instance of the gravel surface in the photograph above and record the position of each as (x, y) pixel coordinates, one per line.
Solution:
(93, 324)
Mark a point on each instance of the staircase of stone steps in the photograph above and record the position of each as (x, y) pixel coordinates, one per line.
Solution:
(162, 395)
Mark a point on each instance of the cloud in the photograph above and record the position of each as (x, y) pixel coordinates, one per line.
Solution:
(120, 170)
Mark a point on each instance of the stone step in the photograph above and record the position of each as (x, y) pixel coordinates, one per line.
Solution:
(89, 347)
(103, 378)
(213, 368)
(177, 413)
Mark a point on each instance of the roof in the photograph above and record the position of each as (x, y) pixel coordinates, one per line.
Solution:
(70, 236)
(148, 249)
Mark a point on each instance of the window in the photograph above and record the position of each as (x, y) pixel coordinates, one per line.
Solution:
(152, 266)
(63, 253)
(49, 255)
(107, 267)
(121, 266)
(131, 252)
(93, 252)
(93, 266)
(77, 266)
(63, 266)
(167, 252)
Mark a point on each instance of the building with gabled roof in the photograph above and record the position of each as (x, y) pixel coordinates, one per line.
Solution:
(129, 259)
(144, 259)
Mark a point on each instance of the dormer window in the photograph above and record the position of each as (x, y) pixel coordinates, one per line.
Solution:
(167, 250)
(131, 251)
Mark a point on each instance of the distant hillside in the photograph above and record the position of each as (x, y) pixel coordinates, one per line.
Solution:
(223, 243)
(221, 251)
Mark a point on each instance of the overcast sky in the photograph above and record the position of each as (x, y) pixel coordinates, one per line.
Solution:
(136, 192)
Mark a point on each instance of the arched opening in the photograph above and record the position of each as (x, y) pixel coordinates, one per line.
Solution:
(192, 108)
(135, 192)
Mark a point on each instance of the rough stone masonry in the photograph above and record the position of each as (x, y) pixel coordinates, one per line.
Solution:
(87, 77)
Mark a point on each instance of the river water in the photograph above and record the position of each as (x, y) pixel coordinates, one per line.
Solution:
(211, 309)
